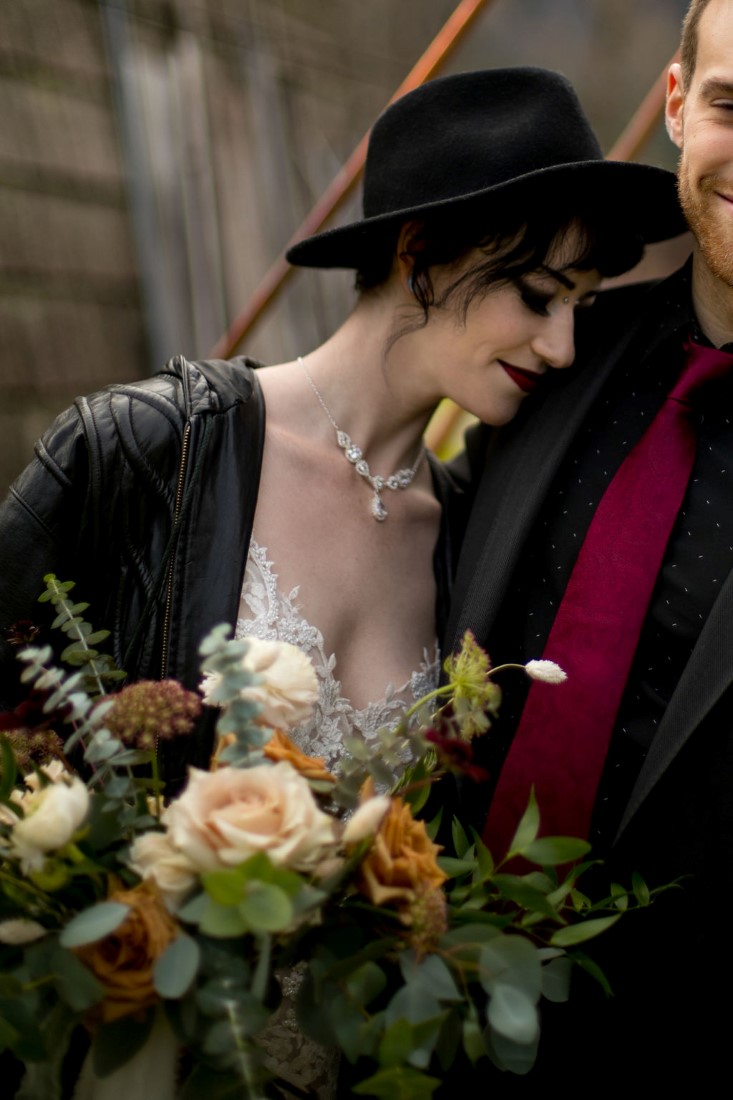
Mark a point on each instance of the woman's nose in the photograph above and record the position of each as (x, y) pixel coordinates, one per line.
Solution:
(555, 342)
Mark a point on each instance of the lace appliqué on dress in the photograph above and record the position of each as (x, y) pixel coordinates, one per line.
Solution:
(267, 613)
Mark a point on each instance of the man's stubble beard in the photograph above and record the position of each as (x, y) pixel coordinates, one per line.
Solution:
(714, 238)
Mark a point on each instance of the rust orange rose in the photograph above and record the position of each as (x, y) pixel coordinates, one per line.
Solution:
(402, 860)
(123, 962)
(280, 747)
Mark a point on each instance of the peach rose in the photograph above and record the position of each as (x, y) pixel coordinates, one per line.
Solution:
(224, 817)
(280, 747)
(287, 686)
(152, 856)
(401, 861)
(123, 962)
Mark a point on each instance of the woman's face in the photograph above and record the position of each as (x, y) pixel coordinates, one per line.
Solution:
(512, 339)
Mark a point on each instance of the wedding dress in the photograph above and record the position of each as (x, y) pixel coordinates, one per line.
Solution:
(268, 613)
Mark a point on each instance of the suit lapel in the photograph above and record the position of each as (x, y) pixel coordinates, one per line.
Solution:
(708, 673)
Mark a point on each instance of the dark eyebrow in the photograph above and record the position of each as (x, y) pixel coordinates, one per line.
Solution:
(561, 278)
(715, 86)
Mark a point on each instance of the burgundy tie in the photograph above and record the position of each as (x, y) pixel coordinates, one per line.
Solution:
(562, 739)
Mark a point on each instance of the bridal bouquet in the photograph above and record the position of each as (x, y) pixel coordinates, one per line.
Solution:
(163, 931)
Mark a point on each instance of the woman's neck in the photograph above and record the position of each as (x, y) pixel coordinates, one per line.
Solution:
(369, 394)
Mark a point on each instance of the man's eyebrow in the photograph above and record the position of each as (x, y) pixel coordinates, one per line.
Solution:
(715, 85)
(560, 276)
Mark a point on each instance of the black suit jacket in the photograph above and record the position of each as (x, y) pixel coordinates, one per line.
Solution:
(670, 964)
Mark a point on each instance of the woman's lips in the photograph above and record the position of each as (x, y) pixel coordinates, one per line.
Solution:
(527, 380)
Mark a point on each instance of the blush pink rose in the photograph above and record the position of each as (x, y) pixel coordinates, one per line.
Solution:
(226, 816)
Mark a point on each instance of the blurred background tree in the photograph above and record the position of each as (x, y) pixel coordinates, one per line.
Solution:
(156, 155)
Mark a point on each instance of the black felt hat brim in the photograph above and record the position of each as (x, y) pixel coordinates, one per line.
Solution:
(642, 196)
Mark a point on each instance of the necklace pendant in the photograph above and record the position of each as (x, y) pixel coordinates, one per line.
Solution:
(379, 512)
(353, 453)
(343, 440)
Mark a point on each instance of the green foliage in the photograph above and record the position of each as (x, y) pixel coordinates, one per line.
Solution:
(81, 652)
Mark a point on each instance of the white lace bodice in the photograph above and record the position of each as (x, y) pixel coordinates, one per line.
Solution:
(265, 612)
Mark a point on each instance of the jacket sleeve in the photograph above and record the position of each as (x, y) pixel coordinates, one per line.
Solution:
(41, 522)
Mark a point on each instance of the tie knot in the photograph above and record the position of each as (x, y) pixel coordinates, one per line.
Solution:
(702, 365)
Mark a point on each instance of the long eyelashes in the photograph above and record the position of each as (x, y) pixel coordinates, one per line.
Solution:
(534, 299)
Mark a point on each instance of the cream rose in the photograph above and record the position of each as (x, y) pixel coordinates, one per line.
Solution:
(226, 816)
(52, 816)
(152, 856)
(288, 688)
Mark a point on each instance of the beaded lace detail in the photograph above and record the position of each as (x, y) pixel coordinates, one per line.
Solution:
(265, 612)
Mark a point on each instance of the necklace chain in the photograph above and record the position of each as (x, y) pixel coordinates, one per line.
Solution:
(400, 479)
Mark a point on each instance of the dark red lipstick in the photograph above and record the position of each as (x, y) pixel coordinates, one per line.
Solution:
(527, 380)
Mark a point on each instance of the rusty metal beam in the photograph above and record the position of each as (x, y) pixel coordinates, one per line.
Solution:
(434, 56)
(643, 122)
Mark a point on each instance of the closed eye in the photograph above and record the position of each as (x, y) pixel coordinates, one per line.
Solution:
(536, 300)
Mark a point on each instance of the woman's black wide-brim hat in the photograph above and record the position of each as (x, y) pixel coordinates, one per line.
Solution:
(465, 138)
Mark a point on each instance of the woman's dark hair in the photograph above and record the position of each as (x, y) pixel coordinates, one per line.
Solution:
(517, 235)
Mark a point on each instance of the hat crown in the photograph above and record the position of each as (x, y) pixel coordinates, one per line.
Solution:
(465, 133)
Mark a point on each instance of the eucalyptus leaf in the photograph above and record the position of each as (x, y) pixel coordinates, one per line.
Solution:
(413, 1004)
(223, 922)
(366, 983)
(177, 967)
(75, 983)
(556, 976)
(511, 960)
(513, 1057)
(471, 1035)
(224, 887)
(266, 908)
(513, 1014)
(93, 924)
(432, 974)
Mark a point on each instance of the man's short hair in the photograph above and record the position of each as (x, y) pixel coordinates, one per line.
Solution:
(688, 45)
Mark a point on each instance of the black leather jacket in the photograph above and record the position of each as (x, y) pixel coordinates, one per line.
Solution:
(144, 494)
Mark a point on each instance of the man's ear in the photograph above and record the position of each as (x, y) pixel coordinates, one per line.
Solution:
(674, 111)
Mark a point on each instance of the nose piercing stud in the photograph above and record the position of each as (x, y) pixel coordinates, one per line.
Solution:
(565, 301)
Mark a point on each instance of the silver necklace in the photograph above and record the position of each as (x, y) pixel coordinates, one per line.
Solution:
(400, 479)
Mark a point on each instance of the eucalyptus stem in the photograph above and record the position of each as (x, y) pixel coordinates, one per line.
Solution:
(59, 597)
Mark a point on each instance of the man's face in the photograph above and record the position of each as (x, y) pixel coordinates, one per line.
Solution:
(700, 122)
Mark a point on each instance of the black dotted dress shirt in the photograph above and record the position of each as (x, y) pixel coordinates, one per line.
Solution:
(698, 558)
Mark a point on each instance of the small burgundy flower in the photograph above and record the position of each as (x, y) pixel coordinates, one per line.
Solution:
(22, 633)
(456, 755)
